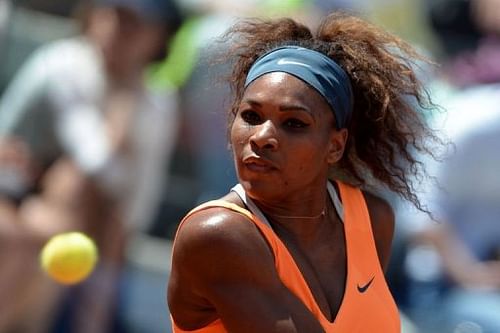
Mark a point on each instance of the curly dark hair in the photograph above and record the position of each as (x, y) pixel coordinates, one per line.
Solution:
(387, 127)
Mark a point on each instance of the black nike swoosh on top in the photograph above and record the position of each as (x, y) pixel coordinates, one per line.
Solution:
(362, 289)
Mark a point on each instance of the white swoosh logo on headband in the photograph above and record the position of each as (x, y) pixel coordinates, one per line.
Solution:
(290, 62)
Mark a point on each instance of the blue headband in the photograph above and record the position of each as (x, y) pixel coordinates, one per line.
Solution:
(314, 68)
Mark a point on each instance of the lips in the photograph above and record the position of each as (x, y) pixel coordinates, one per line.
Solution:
(259, 164)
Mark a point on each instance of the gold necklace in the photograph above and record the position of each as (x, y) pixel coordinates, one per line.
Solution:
(323, 213)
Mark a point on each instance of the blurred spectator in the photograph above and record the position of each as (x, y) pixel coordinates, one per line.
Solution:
(83, 146)
(454, 267)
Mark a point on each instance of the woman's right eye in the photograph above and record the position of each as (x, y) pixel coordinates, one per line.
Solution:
(251, 117)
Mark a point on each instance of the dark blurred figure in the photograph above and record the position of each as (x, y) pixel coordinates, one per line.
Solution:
(83, 146)
(453, 265)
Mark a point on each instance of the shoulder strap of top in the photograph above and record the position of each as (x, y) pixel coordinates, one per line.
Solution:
(336, 201)
(355, 209)
(357, 226)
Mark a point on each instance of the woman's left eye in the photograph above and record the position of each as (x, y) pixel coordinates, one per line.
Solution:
(295, 123)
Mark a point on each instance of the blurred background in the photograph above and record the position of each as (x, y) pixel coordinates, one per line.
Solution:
(112, 122)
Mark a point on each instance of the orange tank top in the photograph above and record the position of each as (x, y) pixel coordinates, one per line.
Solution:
(367, 305)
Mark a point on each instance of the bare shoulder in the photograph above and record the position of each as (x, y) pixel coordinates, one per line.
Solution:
(382, 221)
(214, 248)
(210, 235)
(213, 230)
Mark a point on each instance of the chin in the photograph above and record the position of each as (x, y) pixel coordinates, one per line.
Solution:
(261, 189)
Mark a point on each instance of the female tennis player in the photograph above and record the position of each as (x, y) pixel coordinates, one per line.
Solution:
(300, 243)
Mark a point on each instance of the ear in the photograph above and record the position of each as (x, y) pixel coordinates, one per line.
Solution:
(338, 139)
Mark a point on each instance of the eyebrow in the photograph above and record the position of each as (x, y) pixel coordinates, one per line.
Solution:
(287, 107)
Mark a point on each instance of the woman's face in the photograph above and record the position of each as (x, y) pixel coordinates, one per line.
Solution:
(283, 138)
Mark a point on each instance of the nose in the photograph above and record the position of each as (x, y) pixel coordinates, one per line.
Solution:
(265, 136)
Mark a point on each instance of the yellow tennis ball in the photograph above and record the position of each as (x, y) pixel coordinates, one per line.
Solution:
(69, 258)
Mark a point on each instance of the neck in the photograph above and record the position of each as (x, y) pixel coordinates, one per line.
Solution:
(302, 215)
(304, 202)
(303, 230)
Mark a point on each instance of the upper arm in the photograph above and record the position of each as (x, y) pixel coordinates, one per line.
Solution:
(223, 268)
(382, 221)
